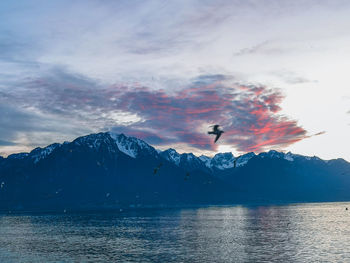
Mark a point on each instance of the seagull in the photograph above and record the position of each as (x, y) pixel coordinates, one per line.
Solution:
(216, 131)
(235, 161)
(155, 171)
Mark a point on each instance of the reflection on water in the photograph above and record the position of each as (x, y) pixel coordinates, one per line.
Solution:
(293, 233)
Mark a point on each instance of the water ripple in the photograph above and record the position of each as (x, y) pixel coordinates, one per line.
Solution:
(291, 233)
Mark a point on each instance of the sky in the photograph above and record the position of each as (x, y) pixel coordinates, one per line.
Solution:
(273, 74)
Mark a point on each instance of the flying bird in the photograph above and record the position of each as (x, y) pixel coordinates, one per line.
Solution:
(216, 131)
(235, 161)
(155, 171)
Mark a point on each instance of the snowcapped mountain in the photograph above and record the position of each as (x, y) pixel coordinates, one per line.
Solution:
(100, 171)
(187, 161)
(132, 146)
(243, 159)
(220, 161)
(172, 156)
(114, 143)
(39, 153)
(223, 161)
(17, 156)
(115, 170)
(288, 156)
(206, 160)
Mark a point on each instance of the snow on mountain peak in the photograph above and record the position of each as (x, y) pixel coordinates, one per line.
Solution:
(131, 146)
(220, 161)
(289, 156)
(17, 155)
(40, 153)
(223, 161)
(206, 160)
(93, 141)
(172, 156)
(243, 159)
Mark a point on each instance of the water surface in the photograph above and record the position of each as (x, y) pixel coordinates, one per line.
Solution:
(288, 233)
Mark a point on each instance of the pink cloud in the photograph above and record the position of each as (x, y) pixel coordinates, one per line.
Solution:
(249, 114)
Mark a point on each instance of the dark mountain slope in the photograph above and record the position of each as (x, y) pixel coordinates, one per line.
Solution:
(106, 171)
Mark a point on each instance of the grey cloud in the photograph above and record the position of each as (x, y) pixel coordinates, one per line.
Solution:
(6, 143)
(249, 112)
(252, 50)
(292, 77)
(33, 129)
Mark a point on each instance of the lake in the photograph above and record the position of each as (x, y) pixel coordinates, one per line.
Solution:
(317, 232)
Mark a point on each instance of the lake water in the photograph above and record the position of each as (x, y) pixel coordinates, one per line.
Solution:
(288, 233)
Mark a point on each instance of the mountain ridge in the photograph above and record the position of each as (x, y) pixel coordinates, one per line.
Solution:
(109, 171)
(130, 148)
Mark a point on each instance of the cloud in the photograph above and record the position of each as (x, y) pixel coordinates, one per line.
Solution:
(319, 133)
(260, 47)
(12, 121)
(249, 113)
(291, 77)
(6, 143)
(23, 128)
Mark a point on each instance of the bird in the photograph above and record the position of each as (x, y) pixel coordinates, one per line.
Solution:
(235, 161)
(155, 171)
(346, 208)
(216, 131)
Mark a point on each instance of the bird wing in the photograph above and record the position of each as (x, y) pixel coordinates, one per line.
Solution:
(217, 137)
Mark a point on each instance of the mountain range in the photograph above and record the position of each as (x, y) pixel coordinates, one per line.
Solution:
(114, 171)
